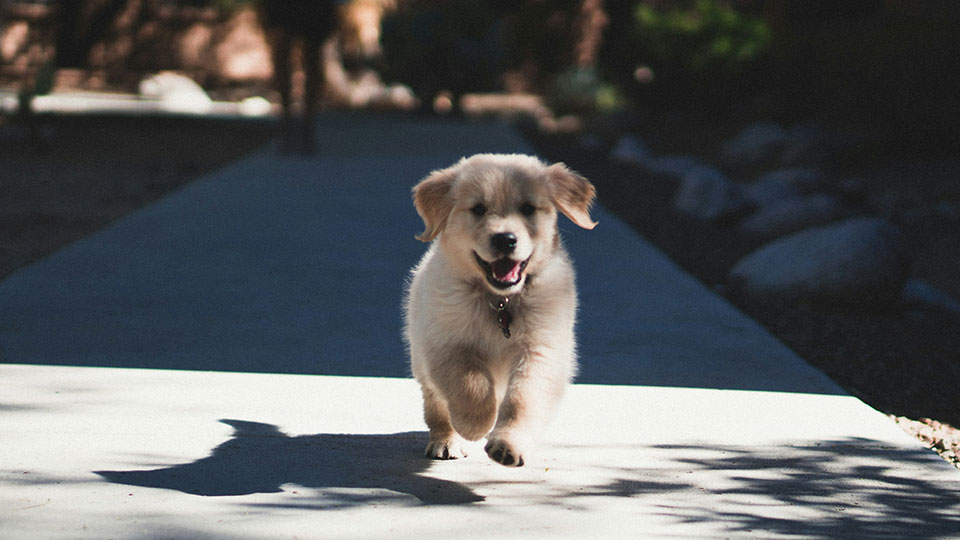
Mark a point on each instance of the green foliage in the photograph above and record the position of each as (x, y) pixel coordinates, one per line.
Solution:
(706, 36)
(580, 90)
(454, 45)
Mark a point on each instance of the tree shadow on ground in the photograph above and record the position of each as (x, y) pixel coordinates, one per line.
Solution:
(849, 488)
(845, 488)
(259, 458)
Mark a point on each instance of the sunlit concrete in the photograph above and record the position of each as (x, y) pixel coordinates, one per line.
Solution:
(122, 453)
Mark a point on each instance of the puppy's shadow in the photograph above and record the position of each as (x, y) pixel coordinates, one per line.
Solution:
(259, 458)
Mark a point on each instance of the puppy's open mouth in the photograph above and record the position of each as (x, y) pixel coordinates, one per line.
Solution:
(502, 273)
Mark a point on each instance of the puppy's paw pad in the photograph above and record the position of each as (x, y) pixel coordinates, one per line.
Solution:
(504, 453)
(446, 449)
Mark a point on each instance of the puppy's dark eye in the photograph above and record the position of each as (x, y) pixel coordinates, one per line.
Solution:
(528, 209)
(479, 210)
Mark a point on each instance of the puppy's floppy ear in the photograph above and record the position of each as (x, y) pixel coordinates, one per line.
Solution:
(433, 201)
(572, 194)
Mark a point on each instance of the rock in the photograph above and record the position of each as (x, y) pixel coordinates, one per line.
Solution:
(856, 261)
(793, 214)
(803, 145)
(707, 194)
(675, 167)
(766, 143)
(255, 106)
(919, 293)
(757, 144)
(9, 104)
(176, 93)
(853, 190)
(886, 203)
(401, 97)
(630, 150)
(930, 219)
(591, 142)
(782, 184)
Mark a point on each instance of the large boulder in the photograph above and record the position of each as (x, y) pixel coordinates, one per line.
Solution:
(707, 194)
(674, 167)
(766, 143)
(757, 144)
(176, 93)
(631, 150)
(855, 261)
(931, 219)
(793, 214)
(780, 184)
(925, 295)
(804, 145)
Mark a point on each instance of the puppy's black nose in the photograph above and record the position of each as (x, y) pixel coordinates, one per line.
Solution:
(504, 242)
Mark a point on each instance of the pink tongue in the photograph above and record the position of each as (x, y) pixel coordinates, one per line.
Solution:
(506, 270)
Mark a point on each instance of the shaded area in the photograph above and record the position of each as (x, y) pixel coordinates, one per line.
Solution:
(846, 488)
(260, 459)
(279, 265)
(93, 170)
(850, 488)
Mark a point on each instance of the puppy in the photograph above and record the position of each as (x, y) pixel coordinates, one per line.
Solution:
(490, 307)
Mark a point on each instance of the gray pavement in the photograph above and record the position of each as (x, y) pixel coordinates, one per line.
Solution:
(264, 301)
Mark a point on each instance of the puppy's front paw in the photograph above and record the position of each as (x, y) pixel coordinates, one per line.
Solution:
(504, 452)
(452, 447)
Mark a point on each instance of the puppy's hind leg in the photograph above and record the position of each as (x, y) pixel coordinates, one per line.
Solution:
(444, 443)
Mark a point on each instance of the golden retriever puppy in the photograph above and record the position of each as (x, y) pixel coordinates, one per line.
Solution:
(490, 307)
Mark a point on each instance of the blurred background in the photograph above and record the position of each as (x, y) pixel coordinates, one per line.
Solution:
(882, 66)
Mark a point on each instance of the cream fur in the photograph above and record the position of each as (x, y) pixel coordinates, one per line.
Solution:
(474, 379)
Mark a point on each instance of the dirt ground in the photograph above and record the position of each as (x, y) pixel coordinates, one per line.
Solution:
(85, 172)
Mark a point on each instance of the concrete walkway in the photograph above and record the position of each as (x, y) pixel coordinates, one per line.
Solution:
(263, 302)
